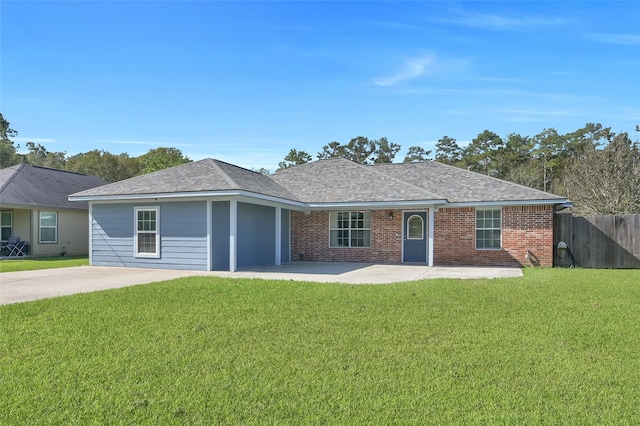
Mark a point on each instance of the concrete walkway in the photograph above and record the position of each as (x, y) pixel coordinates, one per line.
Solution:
(33, 285)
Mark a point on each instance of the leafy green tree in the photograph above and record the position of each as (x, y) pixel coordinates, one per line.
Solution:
(548, 153)
(513, 160)
(384, 151)
(416, 154)
(589, 136)
(105, 165)
(162, 158)
(261, 170)
(294, 158)
(448, 151)
(332, 150)
(8, 151)
(359, 150)
(38, 155)
(480, 154)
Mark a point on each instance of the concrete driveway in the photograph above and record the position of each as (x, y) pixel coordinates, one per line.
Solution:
(33, 285)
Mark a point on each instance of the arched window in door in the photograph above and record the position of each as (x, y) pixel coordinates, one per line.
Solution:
(415, 228)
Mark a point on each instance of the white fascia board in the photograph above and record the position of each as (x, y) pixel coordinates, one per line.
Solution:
(377, 205)
(206, 195)
(254, 197)
(508, 203)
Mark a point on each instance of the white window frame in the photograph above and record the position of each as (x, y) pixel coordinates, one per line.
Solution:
(488, 228)
(10, 226)
(366, 218)
(41, 227)
(156, 232)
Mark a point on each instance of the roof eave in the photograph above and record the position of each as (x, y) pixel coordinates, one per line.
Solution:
(168, 196)
(378, 204)
(529, 202)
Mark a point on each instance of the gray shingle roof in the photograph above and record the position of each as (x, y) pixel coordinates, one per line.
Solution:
(199, 176)
(333, 180)
(462, 186)
(338, 180)
(27, 185)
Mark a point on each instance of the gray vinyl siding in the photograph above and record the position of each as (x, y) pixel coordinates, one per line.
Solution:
(220, 228)
(256, 235)
(285, 248)
(183, 236)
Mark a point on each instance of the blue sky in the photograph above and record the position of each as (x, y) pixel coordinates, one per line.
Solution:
(245, 82)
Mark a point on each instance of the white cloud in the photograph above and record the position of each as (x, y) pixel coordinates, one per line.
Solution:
(411, 69)
(504, 23)
(623, 39)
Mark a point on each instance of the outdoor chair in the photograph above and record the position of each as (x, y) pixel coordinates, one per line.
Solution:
(22, 249)
(15, 247)
(9, 246)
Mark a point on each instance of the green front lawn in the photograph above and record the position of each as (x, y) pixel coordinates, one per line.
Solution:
(29, 264)
(554, 347)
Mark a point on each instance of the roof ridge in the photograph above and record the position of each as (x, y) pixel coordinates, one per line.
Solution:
(224, 174)
(13, 175)
(399, 180)
(56, 170)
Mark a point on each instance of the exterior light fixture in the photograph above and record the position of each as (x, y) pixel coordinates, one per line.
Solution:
(390, 215)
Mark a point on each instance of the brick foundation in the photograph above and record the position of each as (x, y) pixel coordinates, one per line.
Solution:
(527, 231)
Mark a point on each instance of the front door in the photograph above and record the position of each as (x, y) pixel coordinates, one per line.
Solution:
(415, 237)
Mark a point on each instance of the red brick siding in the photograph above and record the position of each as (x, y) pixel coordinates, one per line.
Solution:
(310, 238)
(523, 228)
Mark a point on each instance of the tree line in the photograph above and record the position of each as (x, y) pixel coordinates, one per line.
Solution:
(108, 166)
(596, 168)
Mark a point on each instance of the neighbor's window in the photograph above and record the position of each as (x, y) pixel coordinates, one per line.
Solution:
(147, 240)
(350, 229)
(48, 227)
(6, 225)
(488, 229)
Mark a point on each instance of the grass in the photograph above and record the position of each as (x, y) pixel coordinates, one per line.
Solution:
(555, 347)
(29, 264)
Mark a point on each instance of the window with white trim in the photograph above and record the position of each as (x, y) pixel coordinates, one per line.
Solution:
(6, 225)
(48, 227)
(488, 229)
(350, 229)
(147, 238)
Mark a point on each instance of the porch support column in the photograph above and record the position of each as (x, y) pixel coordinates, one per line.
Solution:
(209, 237)
(90, 231)
(431, 239)
(233, 235)
(278, 236)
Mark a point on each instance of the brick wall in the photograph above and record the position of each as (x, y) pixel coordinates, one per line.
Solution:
(527, 231)
(310, 238)
(524, 228)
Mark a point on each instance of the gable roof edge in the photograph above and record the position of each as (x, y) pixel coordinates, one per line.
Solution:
(15, 173)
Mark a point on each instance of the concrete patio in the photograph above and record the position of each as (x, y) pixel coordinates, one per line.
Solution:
(33, 285)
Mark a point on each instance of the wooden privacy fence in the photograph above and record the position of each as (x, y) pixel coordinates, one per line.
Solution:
(598, 241)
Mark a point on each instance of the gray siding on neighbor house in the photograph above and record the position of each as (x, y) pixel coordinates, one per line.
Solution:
(220, 227)
(256, 235)
(183, 236)
(285, 236)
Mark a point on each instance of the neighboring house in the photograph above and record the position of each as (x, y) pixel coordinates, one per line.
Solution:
(211, 215)
(34, 206)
